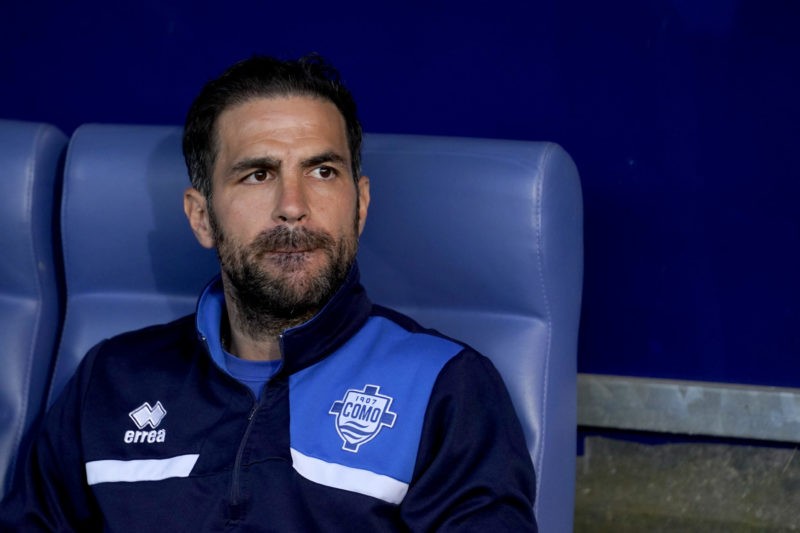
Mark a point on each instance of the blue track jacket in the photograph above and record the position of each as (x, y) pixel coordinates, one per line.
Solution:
(371, 424)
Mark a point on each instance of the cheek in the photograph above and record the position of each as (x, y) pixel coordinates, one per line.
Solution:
(243, 219)
(347, 218)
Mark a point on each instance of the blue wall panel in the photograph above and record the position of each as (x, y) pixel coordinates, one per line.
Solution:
(682, 116)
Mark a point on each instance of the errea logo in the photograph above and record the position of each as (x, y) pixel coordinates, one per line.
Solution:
(361, 415)
(144, 416)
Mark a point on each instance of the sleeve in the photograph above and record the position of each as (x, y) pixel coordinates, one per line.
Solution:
(52, 494)
(473, 470)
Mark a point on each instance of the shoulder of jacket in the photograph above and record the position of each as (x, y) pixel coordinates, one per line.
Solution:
(173, 336)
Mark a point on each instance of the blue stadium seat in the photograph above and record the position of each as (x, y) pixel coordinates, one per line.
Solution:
(30, 154)
(130, 259)
(481, 239)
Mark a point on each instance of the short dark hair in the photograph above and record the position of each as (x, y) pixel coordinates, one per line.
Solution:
(262, 77)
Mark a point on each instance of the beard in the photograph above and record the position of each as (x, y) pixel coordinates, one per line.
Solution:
(270, 281)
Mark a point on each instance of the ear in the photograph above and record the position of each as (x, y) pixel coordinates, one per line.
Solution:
(363, 202)
(196, 209)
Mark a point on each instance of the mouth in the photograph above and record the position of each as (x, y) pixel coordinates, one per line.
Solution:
(290, 251)
(291, 259)
(289, 247)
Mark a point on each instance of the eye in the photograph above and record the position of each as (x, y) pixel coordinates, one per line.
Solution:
(324, 172)
(257, 176)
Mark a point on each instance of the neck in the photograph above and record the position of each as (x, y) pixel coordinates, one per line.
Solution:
(245, 347)
(253, 334)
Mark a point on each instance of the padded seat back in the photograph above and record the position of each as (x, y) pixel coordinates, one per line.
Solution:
(130, 259)
(482, 240)
(30, 155)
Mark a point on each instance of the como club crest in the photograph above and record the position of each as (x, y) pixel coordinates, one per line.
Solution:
(361, 415)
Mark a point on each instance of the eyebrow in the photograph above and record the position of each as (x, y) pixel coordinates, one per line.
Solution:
(255, 162)
(324, 157)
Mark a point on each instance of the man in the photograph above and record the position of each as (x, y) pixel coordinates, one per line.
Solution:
(295, 404)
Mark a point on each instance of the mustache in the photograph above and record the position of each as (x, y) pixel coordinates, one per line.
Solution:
(285, 239)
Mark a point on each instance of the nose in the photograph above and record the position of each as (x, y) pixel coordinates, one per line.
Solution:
(291, 205)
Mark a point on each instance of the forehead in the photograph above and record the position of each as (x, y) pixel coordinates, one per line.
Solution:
(285, 121)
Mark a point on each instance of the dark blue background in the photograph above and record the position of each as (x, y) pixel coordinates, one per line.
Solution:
(682, 117)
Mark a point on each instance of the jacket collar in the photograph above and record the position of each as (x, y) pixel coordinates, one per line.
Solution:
(303, 345)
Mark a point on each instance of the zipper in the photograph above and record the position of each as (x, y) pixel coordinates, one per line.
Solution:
(237, 465)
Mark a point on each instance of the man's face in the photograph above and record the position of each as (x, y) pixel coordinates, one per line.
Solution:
(285, 213)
